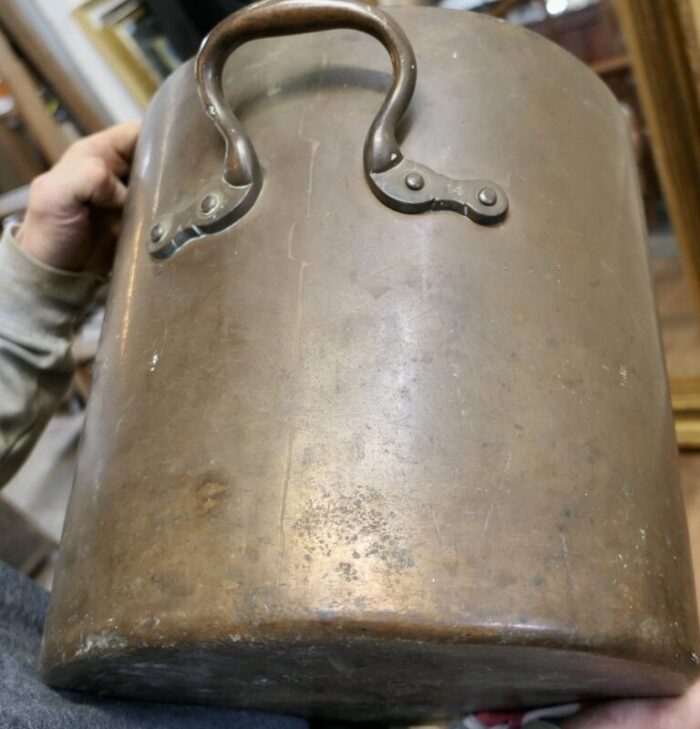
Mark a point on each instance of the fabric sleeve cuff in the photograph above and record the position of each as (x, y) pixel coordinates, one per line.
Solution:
(36, 293)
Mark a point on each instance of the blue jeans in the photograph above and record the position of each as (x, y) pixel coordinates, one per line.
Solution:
(25, 702)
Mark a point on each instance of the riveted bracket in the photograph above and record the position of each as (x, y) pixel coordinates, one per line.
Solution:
(214, 210)
(411, 187)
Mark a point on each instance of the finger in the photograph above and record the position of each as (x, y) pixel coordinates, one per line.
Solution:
(106, 229)
(632, 714)
(68, 190)
(115, 146)
(96, 184)
(111, 194)
(689, 706)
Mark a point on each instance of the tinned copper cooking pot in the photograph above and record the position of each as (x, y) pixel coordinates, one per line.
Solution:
(378, 434)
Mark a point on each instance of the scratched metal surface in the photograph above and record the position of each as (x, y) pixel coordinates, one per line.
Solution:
(344, 461)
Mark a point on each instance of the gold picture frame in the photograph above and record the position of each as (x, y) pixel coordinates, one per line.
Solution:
(124, 32)
(685, 397)
(663, 39)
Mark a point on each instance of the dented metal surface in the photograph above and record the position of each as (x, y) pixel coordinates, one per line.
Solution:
(343, 461)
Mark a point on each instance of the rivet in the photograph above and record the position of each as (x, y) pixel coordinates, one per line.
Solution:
(414, 181)
(157, 232)
(487, 196)
(209, 204)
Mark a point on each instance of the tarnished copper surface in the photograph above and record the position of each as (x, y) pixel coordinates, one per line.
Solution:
(349, 462)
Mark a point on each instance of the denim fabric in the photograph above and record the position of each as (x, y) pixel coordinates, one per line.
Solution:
(26, 703)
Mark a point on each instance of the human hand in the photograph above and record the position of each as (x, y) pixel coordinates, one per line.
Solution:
(680, 713)
(74, 212)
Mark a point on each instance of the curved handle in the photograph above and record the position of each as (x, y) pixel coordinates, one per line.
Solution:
(399, 183)
(289, 17)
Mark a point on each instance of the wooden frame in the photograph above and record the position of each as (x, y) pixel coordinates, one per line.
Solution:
(685, 397)
(110, 25)
(48, 134)
(662, 37)
(657, 36)
(29, 31)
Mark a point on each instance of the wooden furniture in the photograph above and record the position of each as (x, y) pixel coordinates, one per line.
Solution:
(22, 23)
(657, 34)
(20, 162)
(50, 137)
(662, 36)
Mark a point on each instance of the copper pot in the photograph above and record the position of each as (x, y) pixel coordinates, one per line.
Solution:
(385, 435)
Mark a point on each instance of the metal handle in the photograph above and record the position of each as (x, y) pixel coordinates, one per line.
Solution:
(289, 17)
(399, 183)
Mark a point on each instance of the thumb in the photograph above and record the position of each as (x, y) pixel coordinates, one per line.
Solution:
(679, 713)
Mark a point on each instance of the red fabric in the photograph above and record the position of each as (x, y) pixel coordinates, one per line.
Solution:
(489, 718)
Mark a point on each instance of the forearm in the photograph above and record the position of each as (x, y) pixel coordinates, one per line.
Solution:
(39, 307)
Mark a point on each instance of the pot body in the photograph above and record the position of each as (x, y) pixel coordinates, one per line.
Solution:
(345, 461)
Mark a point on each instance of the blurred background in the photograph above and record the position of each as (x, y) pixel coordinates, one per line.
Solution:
(73, 67)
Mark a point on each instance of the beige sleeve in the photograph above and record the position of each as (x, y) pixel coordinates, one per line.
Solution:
(39, 307)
